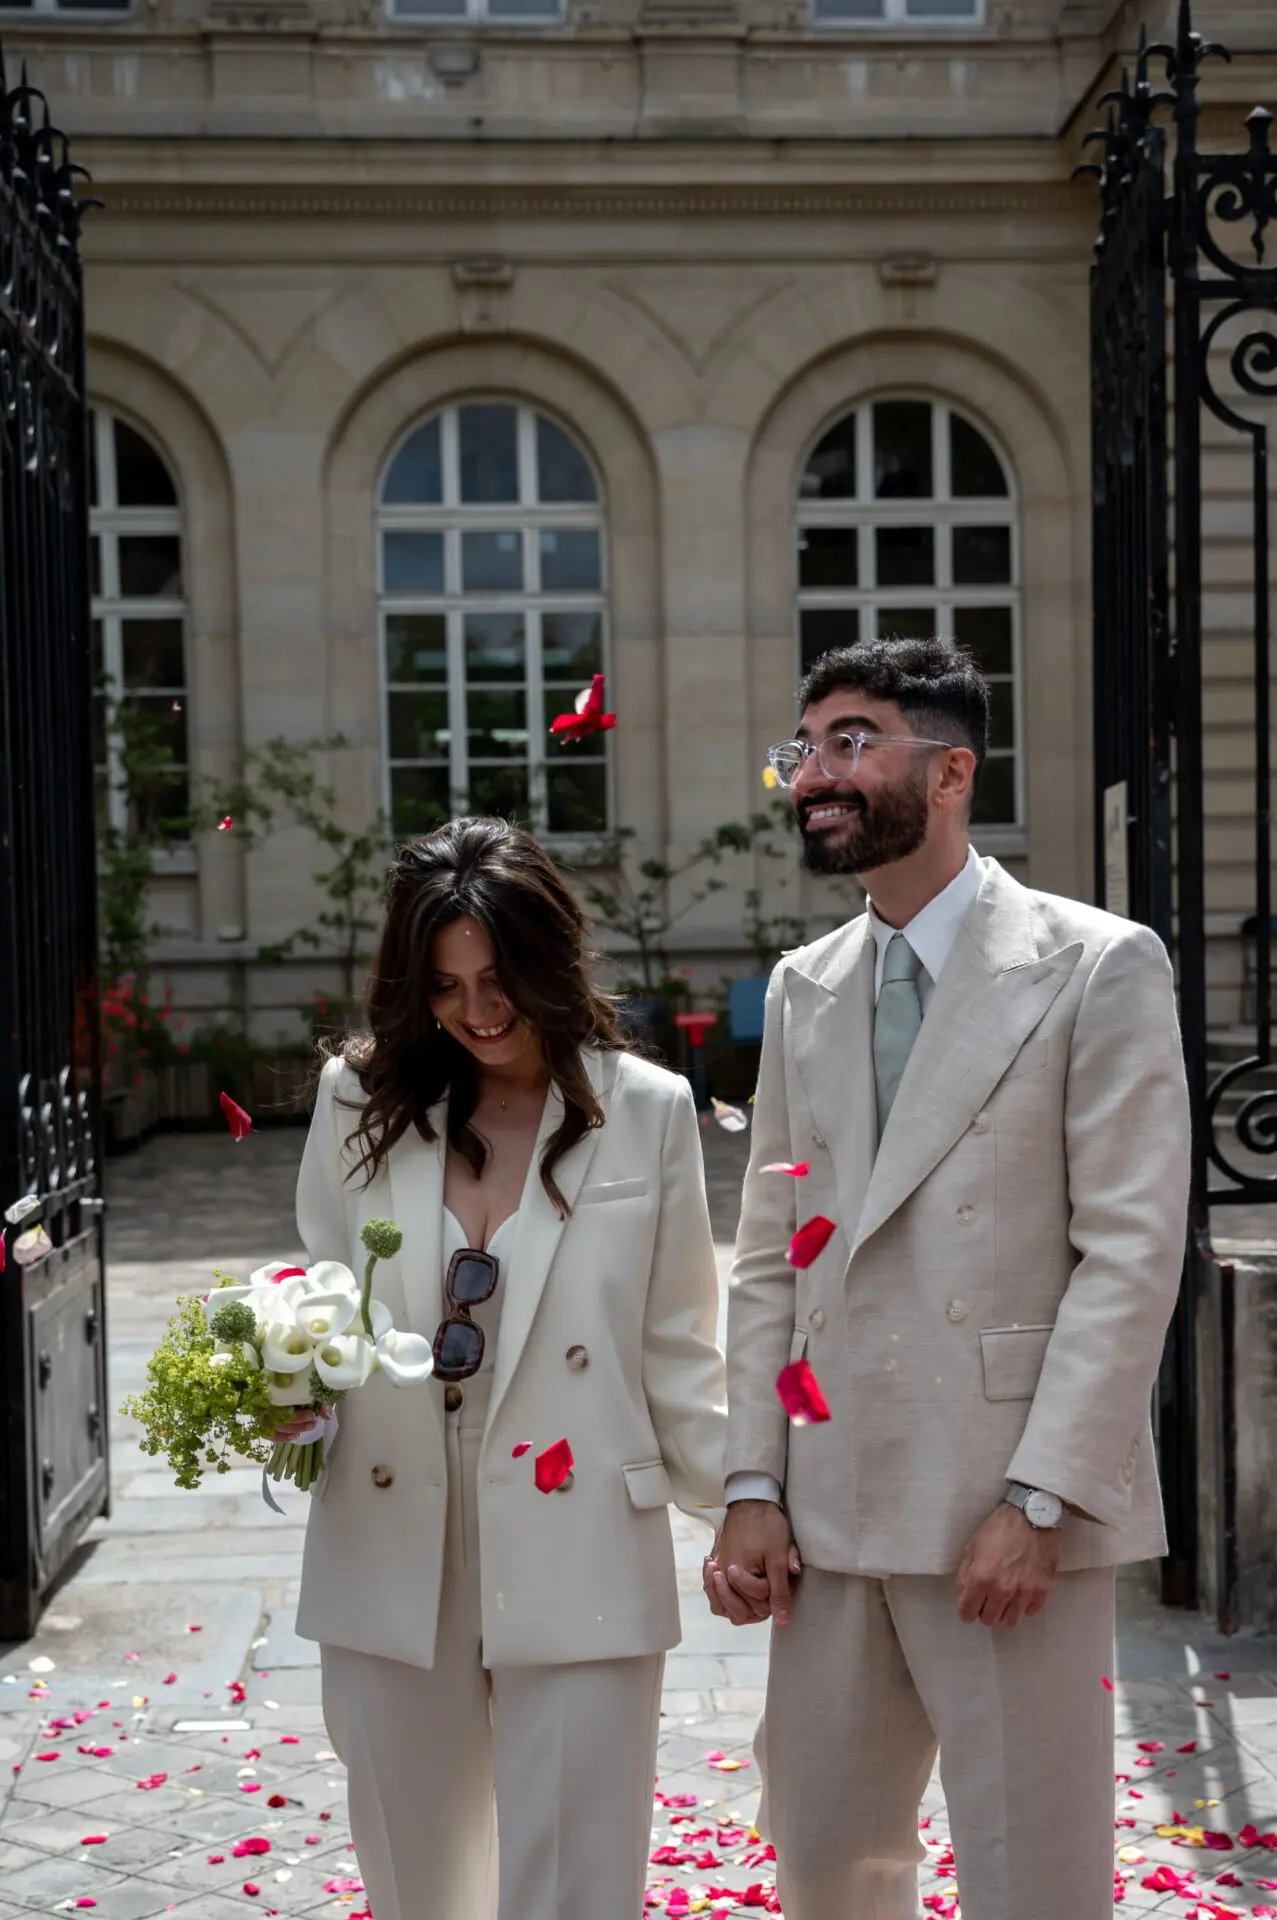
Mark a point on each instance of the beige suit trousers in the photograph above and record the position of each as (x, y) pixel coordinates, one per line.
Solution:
(870, 1676)
(560, 1758)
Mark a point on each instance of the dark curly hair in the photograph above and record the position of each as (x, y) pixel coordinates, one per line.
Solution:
(936, 685)
(406, 1061)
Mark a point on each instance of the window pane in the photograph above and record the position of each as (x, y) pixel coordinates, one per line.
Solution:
(828, 557)
(995, 794)
(489, 453)
(495, 646)
(907, 623)
(163, 725)
(141, 477)
(492, 562)
(152, 652)
(96, 643)
(97, 723)
(830, 474)
(1001, 714)
(160, 807)
(150, 566)
(563, 472)
(849, 9)
(571, 646)
(981, 556)
(523, 9)
(418, 726)
(412, 562)
(95, 566)
(93, 460)
(940, 9)
(101, 806)
(906, 556)
(577, 798)
(416, 646)
(975, 472)
(986, 633)
(437, 9)
(416, 472)
(824, 627)
(570, 561)
(497, 725)
(419, 799)
(500, 790)
(902, 450)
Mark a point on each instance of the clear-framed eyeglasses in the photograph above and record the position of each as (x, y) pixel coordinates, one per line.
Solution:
(838, 754)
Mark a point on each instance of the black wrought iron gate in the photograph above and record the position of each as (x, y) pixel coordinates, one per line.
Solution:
(1184, 322)
(53, 1469)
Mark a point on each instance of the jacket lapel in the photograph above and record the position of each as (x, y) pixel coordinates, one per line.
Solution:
(415, 1167)
(540, 1228)
(831, 1029)
(992, 993)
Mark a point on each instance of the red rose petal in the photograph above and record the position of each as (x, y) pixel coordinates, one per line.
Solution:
(277, 1800)
(1223, 1676)
(251, 1887)
(524, 1446)
(553, 1466)
(809, 1241)
(289, 1739)
(589, 716)
(239, 1122)
(225, 824)
(1106, 1682)
(168, 1680)
(800, 1394)
(95, 1839)
(1151, 1746)
(1189, 1746)
(255, 1845)
(216, 1859)
(48, 1756)
(798, 1168)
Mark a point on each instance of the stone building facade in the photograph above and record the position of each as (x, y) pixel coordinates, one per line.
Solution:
(445, 351)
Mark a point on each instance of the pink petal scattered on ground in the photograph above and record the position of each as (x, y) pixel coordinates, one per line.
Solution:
(798, 1168)
(343, 1886)
(800, 1394)
(216, 1859)
(1189, 1746)
(256, 1845)
(152, 1781)
(289, 1739)
(553, 1466)
(48, 1756)
(251, 1888)
(1151, 1746)
(86, 1900)
(312, 1840)
(195, 1629)
(1223, 1676)
(809, 1241)
(250, 1786)
(168, 1679)
(277, 1800)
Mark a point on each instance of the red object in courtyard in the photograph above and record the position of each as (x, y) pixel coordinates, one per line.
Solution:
(696, 1024)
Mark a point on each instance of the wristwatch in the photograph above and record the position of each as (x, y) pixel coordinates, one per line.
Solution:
(1039, 1509)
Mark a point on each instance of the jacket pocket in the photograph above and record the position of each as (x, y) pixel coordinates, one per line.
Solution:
(1013, 1359)
(648, 1484)
(611, 1190)
(1030, 1059)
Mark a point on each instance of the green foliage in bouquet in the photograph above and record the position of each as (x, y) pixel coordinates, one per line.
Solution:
(204, 1405)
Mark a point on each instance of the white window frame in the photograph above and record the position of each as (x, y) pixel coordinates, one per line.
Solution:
(50, 10)
(895, 17)
(942, 512)
(452, 517)
(552, 14)
(108, 522)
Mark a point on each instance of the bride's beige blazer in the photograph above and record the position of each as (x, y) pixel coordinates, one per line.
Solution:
(607, 1338)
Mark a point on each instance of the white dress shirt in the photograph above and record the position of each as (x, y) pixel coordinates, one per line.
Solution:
(931, 933)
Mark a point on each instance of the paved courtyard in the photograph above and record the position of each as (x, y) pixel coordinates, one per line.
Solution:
(161, 1744)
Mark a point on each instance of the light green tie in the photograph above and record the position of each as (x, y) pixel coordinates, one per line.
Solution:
(897, 1018)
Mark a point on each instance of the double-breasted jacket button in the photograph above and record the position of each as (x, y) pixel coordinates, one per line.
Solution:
(966, 1215)
(956, 1310)
(452, 1398)
(566, 1484)
(383, 1477)
(981, 1123)
(817, 1139)
(577, 1358)
(816, 1319)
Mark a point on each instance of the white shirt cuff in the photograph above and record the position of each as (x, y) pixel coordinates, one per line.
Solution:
(752, 1486)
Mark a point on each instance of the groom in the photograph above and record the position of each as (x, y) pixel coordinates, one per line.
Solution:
(986, 1083)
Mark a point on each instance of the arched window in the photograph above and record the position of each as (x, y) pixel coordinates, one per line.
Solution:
(906, 524)
(493, 617)
(139, 627)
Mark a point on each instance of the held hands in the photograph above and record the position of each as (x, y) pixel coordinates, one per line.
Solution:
(748, 1573)
(300, 1424)
(1007, 1569)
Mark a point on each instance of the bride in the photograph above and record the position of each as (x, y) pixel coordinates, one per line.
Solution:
(492, 1606)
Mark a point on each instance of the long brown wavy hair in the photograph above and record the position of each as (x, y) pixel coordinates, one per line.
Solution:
(406, 1061)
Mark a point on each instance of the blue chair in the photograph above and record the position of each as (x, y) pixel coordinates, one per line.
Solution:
(745, 1008)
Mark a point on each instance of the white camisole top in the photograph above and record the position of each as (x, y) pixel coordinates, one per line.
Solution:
(487, 1316)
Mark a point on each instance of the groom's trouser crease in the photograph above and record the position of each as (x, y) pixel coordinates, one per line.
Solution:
(570, 1749)
(864, 1681)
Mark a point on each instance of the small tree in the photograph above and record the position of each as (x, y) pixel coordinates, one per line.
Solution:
(126, 854)
(278, 785)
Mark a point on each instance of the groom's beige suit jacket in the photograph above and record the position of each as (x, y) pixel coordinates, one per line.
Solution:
(994, 1298)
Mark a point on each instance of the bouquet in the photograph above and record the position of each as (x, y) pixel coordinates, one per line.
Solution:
(234, 1363)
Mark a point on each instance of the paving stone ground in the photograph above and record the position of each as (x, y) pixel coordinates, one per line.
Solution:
(177, 1744)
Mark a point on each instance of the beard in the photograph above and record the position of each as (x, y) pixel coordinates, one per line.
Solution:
(890, 825)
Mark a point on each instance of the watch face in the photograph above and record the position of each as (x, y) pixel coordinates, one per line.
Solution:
(1043, 1509)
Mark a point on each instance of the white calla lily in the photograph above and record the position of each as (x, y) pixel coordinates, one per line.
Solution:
(383, 1321)
(344, 1361)
(330, 1276)
(322, 1315)
(293, 1288)
(222, 1296)
(288, 1389)
(404, 1357)
(287, 1350)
